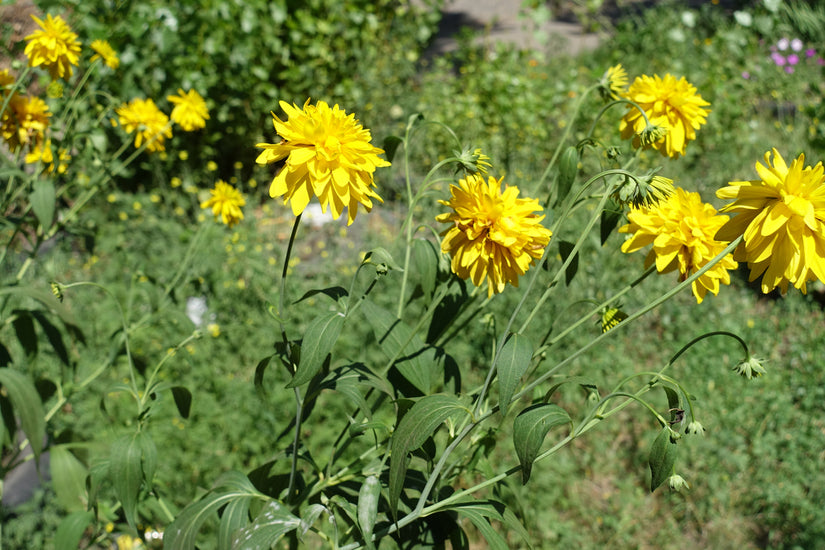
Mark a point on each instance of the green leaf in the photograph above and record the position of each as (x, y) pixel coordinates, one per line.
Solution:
(234, 516)
(391, 144)
(565, 248)
(529, 430)
(610, 217)
(183, 400)
(368, 498)
(662, 458)
(181, 533)
(43, 200)
(420, 422)
(260, 369)
(379, 256)
(513, 361)
(425, 262)
(27, 405)
(318, 340)
(272, 523)
(492, 509)
(494, 540)
(46, 298)
(54, 336)
(334, 292)
(133, 462)
(568, 168)
(68, 478)
(413, 359)
(309, 516)
(71, 529)
(24, 329)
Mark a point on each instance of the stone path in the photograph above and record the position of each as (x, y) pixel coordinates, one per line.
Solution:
(503, 21)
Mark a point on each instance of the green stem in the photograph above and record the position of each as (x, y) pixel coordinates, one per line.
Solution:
(284, 273)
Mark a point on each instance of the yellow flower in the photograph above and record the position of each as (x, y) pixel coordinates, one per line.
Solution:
(190, 110)
(782, 218)
(24, 122)
(668, 103)
(614, 82)
(226, 202)
(104, 52)
(495, 235)
(144, 118)
(54, 46)
(329, 156)
(682, 231)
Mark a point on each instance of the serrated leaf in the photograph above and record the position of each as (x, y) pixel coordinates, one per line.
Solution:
(318, 340)
(71, 529)
(272, 523)
(183, 400)
(662, 458)
(413, 359)
(391, 144)
(529, 430)
(368, 497)
(26, 403)
(418, 424)
(513, 361)
(43, 200)
(68, 478)
(610, 217)
(231, 486)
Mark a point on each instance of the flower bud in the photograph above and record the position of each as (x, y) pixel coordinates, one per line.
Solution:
(57, 290)
(695, 428)
(651, 134)
(750, 368)
(677, 483)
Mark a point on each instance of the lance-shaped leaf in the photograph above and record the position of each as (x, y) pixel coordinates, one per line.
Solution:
(71, 529)
(662, 458)
(231, 487)
(43, 200)
(318, 340)
(529, 430)
(368, 498)
(132, 458)
(68, 478)
(477, 510)
(513, 361)
(27, 406)
(420, 422)
(274, 521)
(425, 263)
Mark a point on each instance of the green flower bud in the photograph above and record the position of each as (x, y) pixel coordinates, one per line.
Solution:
(750, 368)
(695, 428)
(57, 290)
(677, 483)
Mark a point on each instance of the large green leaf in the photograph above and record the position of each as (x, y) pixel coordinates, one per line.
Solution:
(413, 359)
(318, 340)
(273, 522)
(71, 529)
(43, 200)
(662, 458)
(529, 430)
(27, 406)
(24, 329)
(133, 460)
(513, 361)
(68, 478)
(425, 265)
(418, 424)
(232, 486)
(234, 516)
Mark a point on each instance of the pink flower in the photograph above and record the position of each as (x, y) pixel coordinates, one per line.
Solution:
(810, 52)
(746, 75)
(793, 59)
(789, 69)
(778, 59)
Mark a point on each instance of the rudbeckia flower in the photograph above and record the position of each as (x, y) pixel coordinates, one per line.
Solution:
(328, 155)
(781, 217)
(148, 122)
(226, 203)
(495, 235)
(103, 51)
(54, 46)
(670, 104)
(681, 230)
(190, 110)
